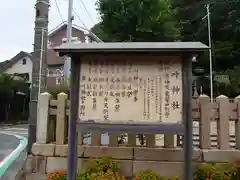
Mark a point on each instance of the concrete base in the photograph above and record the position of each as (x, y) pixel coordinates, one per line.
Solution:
(47, 158)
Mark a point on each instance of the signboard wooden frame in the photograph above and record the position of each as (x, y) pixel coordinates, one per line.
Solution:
(148, 63)
(184, 50)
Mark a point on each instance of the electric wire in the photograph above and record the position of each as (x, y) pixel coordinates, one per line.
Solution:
(204, 3)
(202, 16)
(89, 15)
(59, 11)
(85, 26)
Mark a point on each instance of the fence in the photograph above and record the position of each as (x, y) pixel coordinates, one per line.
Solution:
(216, 125)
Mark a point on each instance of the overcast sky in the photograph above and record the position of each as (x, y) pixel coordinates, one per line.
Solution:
(17, 18)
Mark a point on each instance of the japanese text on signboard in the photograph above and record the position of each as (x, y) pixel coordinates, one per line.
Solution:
(131, 90)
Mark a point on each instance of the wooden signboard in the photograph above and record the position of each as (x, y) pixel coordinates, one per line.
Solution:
(131, 88)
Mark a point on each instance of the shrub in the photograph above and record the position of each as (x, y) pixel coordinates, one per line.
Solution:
(57, 175)
(106, 169)
(215, 172)
(102, 165)
(147, 175)
(172, 178)
(101, 169)
(101, 176)
(55, 90)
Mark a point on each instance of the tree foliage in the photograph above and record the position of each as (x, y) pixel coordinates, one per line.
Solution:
(225, 33)
(14, 97)
(137, 20)
(165, 20)
(225, 29)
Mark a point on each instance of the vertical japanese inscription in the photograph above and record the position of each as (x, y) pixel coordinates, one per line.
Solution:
(167, 67)
(130, 90)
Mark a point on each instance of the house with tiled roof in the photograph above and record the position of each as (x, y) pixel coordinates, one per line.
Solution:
(20, 65)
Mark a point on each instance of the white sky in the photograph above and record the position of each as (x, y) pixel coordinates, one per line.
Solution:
(17, 18)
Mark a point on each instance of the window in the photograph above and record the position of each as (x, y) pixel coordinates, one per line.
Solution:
(59, 76)
(50, 73)
(59, 80)
(59, 73)
(24, 61)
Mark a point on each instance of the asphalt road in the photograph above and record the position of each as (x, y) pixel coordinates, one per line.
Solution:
(7, 144)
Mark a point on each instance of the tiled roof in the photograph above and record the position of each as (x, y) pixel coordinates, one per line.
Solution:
(8, 63)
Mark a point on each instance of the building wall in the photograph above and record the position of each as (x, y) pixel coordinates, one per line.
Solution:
(56, 39)
(55, 75)
(21, 68)
(55, 62)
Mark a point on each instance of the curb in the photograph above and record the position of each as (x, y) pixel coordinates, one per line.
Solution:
(4, 164)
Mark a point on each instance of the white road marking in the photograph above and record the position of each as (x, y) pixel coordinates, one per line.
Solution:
(7, 161)
(16, 131)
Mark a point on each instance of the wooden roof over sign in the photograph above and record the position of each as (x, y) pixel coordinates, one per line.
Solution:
(122, 47)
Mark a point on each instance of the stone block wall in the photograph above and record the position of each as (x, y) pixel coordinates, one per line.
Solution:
(47, 158)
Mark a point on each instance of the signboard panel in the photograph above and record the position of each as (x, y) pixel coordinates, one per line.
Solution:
(145, 89)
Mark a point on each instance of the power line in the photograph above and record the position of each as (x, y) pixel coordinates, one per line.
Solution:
(79, 19)
(58, 9)
(86, 29)
(204, 3)
(202, 27)
(87, 11)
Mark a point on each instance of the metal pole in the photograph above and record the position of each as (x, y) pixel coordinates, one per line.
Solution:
(187, 118)
(72, 133)
(67, 63)
(210, 54)
(70, 18)
(40, 63)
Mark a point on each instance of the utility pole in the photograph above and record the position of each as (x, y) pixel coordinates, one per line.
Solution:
(67, 63)
(210, 53)
(39, 66)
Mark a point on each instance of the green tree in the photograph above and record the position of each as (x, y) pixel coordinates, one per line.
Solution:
(9, 87)
(97, 29)
(225, 29)
(137, 20)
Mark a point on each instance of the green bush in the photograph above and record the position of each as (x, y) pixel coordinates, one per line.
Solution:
(54, 91)
(101, 176)
(102, 165)
(101, 169)
(215, 172)
(106, 169)
(147, 175)
(57, 175)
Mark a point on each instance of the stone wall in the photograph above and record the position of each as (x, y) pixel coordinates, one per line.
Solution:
(215, 140)
(47, 158)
